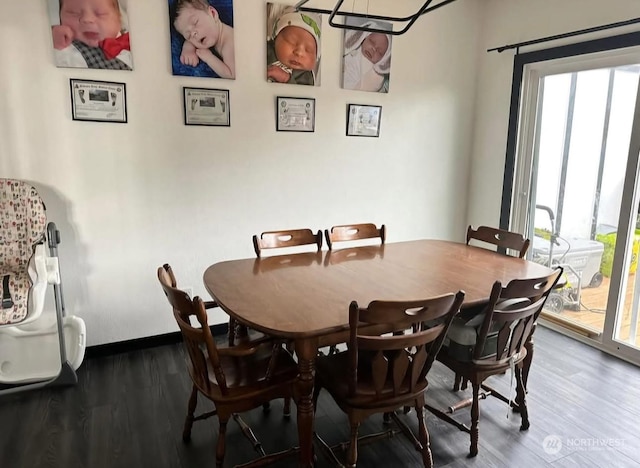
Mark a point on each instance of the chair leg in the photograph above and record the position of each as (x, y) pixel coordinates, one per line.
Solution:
(459, 383)
(188, 422)
(241, 331)
(521, 399)
(286, 411)
(231, 335)
(236, 330)
(463, 385)
(427, 460)
(526, 365)
(456, 382)
(222, 433)
(316, 394)
(475, 417)
(352, 455)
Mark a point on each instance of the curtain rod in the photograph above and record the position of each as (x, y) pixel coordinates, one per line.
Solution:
(332, 13)
(562, 36)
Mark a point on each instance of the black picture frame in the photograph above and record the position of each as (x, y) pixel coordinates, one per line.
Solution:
(206, 107)
(98, 101)
(295, 114)
(363, 120)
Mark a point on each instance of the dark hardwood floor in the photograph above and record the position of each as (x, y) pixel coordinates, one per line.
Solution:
(128, 411)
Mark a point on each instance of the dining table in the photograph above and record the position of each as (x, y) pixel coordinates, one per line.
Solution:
(305, 297)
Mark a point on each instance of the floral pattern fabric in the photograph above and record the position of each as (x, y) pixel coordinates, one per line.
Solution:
(22, 226)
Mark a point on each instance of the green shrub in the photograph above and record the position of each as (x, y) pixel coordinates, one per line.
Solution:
(609, 241)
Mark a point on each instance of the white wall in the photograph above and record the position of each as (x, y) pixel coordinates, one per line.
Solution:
(128, 198)
(509, 22)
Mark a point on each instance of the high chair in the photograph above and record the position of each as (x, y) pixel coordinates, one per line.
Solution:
(36, 349)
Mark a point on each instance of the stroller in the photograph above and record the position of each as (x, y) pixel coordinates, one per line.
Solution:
(580, 259)
(36, 349)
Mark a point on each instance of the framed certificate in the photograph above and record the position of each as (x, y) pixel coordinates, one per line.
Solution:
(295, 114)
(203, 106)
(363, 120)
(98, 101)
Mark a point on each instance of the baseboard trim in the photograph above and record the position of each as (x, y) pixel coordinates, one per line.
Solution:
(109, 349)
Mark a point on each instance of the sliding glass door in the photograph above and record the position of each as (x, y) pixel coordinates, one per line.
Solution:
(575, 190)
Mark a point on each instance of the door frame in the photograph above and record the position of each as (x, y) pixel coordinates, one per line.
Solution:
(520, 160)
(607, 44)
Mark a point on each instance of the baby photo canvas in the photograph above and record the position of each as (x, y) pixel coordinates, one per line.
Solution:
(366, 58)
(202, 40)
(90, 34)
(293, 45)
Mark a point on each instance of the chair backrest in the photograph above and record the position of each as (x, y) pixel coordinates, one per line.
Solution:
(398, 362)
(196, 340)
(287, 238)
(350, 232)
(509, 317)
(500, 238)
(170, 277)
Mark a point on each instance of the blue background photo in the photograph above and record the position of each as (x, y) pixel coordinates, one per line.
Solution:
(225, 10)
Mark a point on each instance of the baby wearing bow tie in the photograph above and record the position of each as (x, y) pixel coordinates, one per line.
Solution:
(90, 35)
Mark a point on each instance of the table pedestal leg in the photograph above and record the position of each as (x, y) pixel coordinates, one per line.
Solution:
(306, 351)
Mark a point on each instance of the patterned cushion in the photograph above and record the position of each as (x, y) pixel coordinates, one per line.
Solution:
(22, 226)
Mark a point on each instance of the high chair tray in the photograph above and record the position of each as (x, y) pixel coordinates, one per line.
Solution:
(32, 353)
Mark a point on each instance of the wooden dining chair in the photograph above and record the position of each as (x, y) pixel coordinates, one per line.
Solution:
(285, 239)
(245, 336)
(492, 343)
(171, 277)
(235, 378)
(352, 232)
(381, 372)
(275, 240)
(500, 238)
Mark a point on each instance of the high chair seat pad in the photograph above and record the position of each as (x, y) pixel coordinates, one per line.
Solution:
(16, 310)
(22, 226)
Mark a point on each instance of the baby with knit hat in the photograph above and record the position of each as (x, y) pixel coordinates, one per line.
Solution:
(293, 48)
(367, 59)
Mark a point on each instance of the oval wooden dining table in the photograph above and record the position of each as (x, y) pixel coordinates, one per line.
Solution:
(305, 297)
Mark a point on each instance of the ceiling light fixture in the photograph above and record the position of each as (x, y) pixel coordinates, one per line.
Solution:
(424, 9)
